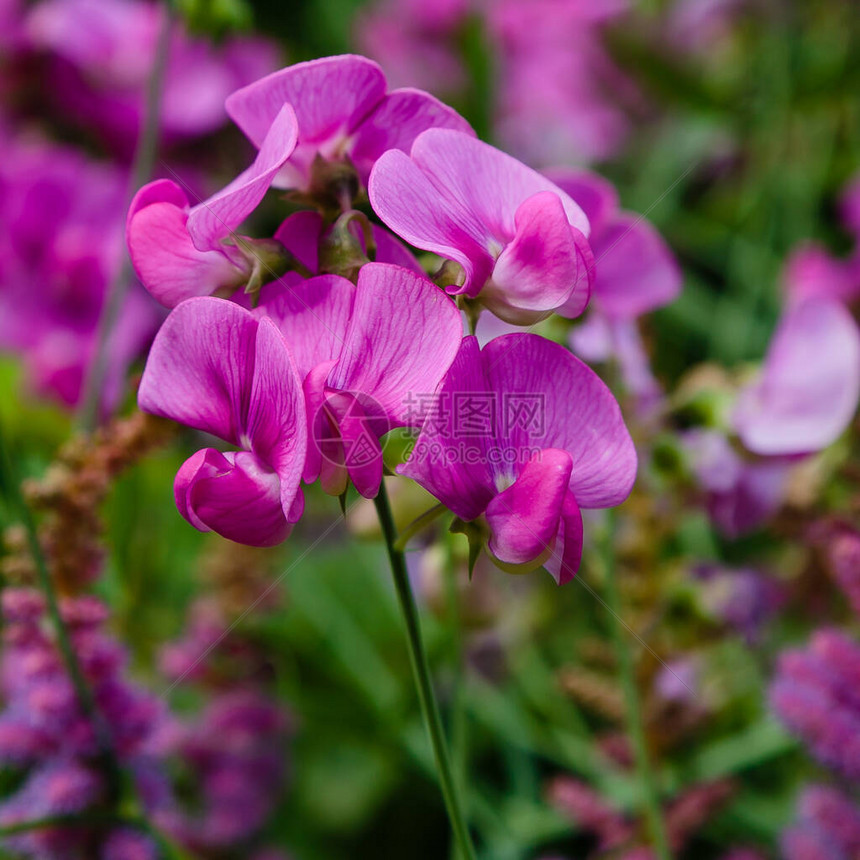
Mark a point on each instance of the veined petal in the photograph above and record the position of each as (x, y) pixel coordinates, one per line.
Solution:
(550, 399)
(233, 494)
(163, 255)
(213, 219)
(395, 123)
(447, 460)
(312, 315)
(809, 386)
(330, 96)
(543, 267)
(524, 518)
(403, 336)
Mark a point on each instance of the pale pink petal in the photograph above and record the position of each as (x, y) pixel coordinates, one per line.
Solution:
(213, 219)
(524, 518)
(809, 386)
(233, 494)
(395, 123)
(451, 464)
(550, 399)
(546, 265)
(403, 336)
(312, 315)
(330, 97)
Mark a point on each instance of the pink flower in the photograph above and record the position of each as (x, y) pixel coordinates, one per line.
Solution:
(344, 112)
(179, 250)
(216, 367)
(523, 436)
(365, 354)
(809, 386)
(520, 239)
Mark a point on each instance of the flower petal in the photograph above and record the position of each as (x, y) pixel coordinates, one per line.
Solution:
(567, 551)
(233, 494)
(330, 96)
(524, 518)
(451, 466)
(214, 219)
(809, 386)
(162, 253)
(549, 399)
(403, 336)
(595, 195)
(547, 265)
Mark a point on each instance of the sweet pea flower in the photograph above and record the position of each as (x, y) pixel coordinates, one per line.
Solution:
(216, 367)
(520, 240)
(524, 435)
(809, 386)
(635, 273)
(368, 354)
(344, 112)
(179, 250)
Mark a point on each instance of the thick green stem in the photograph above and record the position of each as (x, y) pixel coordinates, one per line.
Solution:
(426, 696)
(635, 727)
(141, 170)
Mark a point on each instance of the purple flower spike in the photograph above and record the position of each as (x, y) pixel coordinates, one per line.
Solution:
(178, 249)
(809, 386)
(523, 436)
(519, 238)
(343, 111)
(214, 366)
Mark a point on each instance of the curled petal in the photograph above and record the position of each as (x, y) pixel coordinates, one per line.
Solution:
(567, 551)
(810, 383)
(233, 494)
(524, 518)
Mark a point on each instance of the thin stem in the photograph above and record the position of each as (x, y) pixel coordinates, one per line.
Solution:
(426, 696)
(635, 726)
(141, 170)
(83, 692)
(417, 525)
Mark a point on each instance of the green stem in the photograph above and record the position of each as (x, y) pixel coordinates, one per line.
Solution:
(426, 696)
(635, 726)
(417, 525)
(141, 170)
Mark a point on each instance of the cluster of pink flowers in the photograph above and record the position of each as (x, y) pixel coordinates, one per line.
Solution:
(305, 370)
(62, 204)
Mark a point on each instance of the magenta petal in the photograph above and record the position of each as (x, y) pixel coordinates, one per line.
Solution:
(810, 382)
(403, 336)
(636, 270)
(395, 123)
(524, 518)
(164, 257)
(312, 315)
(213, 219)
(330, 96)
(317, 421)
(567, 551)
(812, 272)
(451, 466)
(300, 235)
(595, 195)
(362, 451)
(542, 268)
(553, 400)
(159, 191)
(233, 494)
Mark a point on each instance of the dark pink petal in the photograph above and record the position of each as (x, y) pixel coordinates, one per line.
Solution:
(403, 336)
(550, 399)
(212, 220)
(200, 367)
(542, 268)
(813, 272)
(233, 494)
(451, 465)
(300, 235)
(567, 551)
(362, 453)
(524, 518)
(163, 255)
(330, 97)
(636, 271)
(312, 315)
(395, 123)
(810, 383)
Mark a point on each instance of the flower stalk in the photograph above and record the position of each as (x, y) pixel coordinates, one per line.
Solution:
(426, 696)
